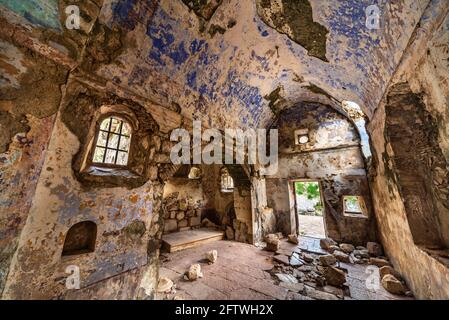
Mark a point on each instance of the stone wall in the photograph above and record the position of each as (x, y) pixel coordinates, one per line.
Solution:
(426, 92)
(187, 202)
(127, 217)
(182, 208)
(334, 158)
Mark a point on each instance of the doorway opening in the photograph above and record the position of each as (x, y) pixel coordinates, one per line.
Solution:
(309, 208)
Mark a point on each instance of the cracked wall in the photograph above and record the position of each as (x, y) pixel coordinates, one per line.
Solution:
(295, 19)
(333, 157)
(428, 81)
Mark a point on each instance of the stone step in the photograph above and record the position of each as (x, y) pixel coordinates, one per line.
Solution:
(191, 238)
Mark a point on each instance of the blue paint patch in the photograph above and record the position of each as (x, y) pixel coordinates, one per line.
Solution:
(127, 13)
(123, 13)
(248, 95)
(262, 60)
(166, 48)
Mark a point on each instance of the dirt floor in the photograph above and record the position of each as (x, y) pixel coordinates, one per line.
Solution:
(312, 226)
(246, 272)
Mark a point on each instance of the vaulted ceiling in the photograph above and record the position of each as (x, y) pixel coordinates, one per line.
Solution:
(231, 62)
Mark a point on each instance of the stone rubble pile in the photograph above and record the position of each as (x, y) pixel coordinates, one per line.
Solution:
(306, 275)
(310, 275)
(212, 256)
(391, 280)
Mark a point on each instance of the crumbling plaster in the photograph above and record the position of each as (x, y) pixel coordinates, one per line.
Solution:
(427, 74)
(333, 157)
(162, 56)
(262, 58)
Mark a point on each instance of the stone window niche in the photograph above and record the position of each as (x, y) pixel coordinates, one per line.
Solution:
(354, 206)
(112, 142)
(80, 239)
(301, 136)
(117, 148)
(227, 183)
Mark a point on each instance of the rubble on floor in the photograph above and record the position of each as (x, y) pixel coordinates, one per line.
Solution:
(212, 256)
(292, 272)
(319, 271)
(293, 238)
(194, 272)
(164, 285)
(273, 242)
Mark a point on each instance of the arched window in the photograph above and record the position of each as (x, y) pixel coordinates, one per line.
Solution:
(227, 183)
(80, 238)
(113, 142)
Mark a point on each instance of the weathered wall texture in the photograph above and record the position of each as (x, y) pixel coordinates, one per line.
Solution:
(233, 60)
(43, 192)
(183, 203)
(26, 121)
(203, 198)
(231, 64)
(332, 157)
(128, 222)
(426, 87)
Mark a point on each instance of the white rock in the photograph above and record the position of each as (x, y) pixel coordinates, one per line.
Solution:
(212, 256)
(164, 285)
(293, 238)
(288, 278)
(194, 272)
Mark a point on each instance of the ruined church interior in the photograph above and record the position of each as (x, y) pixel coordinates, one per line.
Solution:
(351, 97)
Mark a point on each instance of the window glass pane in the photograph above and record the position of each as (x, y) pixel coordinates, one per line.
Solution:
(352, 204)
(124, 143)
(126, 129)
(99, 154)
(227, 183)
(113, 141)
(114, 135)
(115, 127)
(102, 136)
(105, 124)
(122, 158)
(110, 156)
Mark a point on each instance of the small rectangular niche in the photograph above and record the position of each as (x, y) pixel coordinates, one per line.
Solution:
(354, 206)
(301, 136)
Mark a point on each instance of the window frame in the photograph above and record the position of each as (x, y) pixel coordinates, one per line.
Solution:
(303, 132)
(223, 171)
(98, 130)
(363, 209)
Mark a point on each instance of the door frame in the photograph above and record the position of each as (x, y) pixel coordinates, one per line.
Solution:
(293, 205)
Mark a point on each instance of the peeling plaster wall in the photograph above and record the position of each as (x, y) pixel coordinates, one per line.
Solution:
(225, 78)
(222, 64)
(20, 167)
(333, 157)
(26, 122)
(38, 270)
(243, 212)
(430, 80)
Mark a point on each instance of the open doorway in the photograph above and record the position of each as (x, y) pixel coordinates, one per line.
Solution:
(309, 208)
